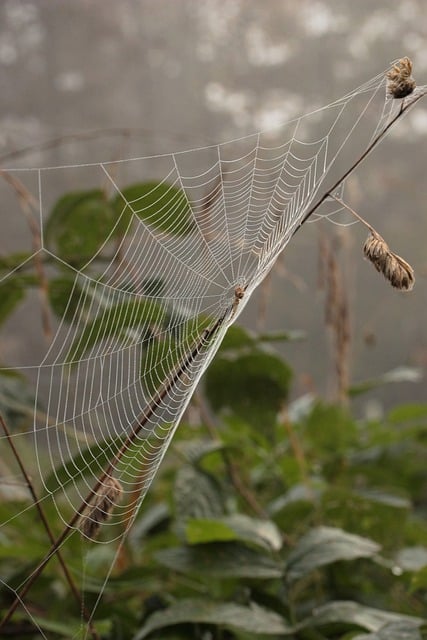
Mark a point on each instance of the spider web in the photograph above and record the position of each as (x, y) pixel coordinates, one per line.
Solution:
(148, 310)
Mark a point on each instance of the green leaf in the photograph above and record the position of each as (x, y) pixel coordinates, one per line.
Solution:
(254, 386)
(196, 449)
(12, 261)
(65, 297)
(16, 398)
(113, 323)
(263, 533)
(79, 225)
(12, 292)
(221, 560)
(407, 413)
(253, 618)
(330, 430)
(160, 205)
(87, 463)
(200, 530)
(324, 545)
(400, 374)
(197, 494)
(237, 338)
(412, 558)
(281, 336)
(71, 628)
(400, 630)
(351, 613)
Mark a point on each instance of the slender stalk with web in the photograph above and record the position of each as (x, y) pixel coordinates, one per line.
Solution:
(211, 229)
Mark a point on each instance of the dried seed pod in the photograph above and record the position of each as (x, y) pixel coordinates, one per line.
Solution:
(398, 272)
(400, 82)
(99, 509)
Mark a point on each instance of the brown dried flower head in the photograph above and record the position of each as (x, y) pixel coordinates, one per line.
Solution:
(400, 82)
(398, 272)
(99, 511)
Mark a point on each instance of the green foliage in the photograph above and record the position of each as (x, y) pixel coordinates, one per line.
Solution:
(253, 385)
(78, 226)
(163, 206)
(309, 528)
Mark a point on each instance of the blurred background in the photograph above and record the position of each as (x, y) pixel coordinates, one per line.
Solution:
(94, 80)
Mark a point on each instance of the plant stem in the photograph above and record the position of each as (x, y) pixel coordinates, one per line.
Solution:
(406, 104)
(148, 413)
(356, 215)
(232, 468)
(49, 532)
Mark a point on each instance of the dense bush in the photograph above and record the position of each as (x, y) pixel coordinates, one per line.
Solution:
(269, 518)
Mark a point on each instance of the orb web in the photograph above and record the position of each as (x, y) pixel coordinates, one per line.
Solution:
(147, 310)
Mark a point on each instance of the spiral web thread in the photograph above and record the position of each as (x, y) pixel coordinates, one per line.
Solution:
(168, 289)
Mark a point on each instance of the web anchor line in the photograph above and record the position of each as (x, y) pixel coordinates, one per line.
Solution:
(203, 342)
(405, 106)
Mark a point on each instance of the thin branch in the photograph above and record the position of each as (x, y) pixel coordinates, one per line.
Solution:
(232, 469)
(359, 217)
(139, 425)
(42, 516)
(405, 106)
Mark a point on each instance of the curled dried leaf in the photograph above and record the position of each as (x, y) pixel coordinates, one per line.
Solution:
(398, 272)
(99, 510)
(400, 82)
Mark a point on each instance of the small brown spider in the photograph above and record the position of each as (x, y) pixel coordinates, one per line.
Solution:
(239, 292)
(400, 82)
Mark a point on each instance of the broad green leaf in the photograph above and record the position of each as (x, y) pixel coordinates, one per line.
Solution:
(197, 494)
(113, 321)
(221, 560)
(419, 580)
(400, 630)
(12, 292)
(324, 545)
(263, 533)
(201, 530)
(71, 628)
(253, 618)
(408, 412)
(237, 338)
(254, 386)
(281, 336)
(162, 206)
(196, 449)
(330, 430)
(16, 398)
(400, 374)
(12, 261)
(412, 558)
(389, 499)
(149, 520)
(79, 225)
(352, 613)
(65, 297)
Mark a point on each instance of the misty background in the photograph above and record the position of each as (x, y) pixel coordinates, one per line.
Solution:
(141, 77)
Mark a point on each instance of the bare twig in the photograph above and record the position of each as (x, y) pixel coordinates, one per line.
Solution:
(232, 469)
(48, 530)
(337, 317)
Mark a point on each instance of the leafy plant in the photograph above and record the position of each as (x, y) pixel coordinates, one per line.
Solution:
(271, 518)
